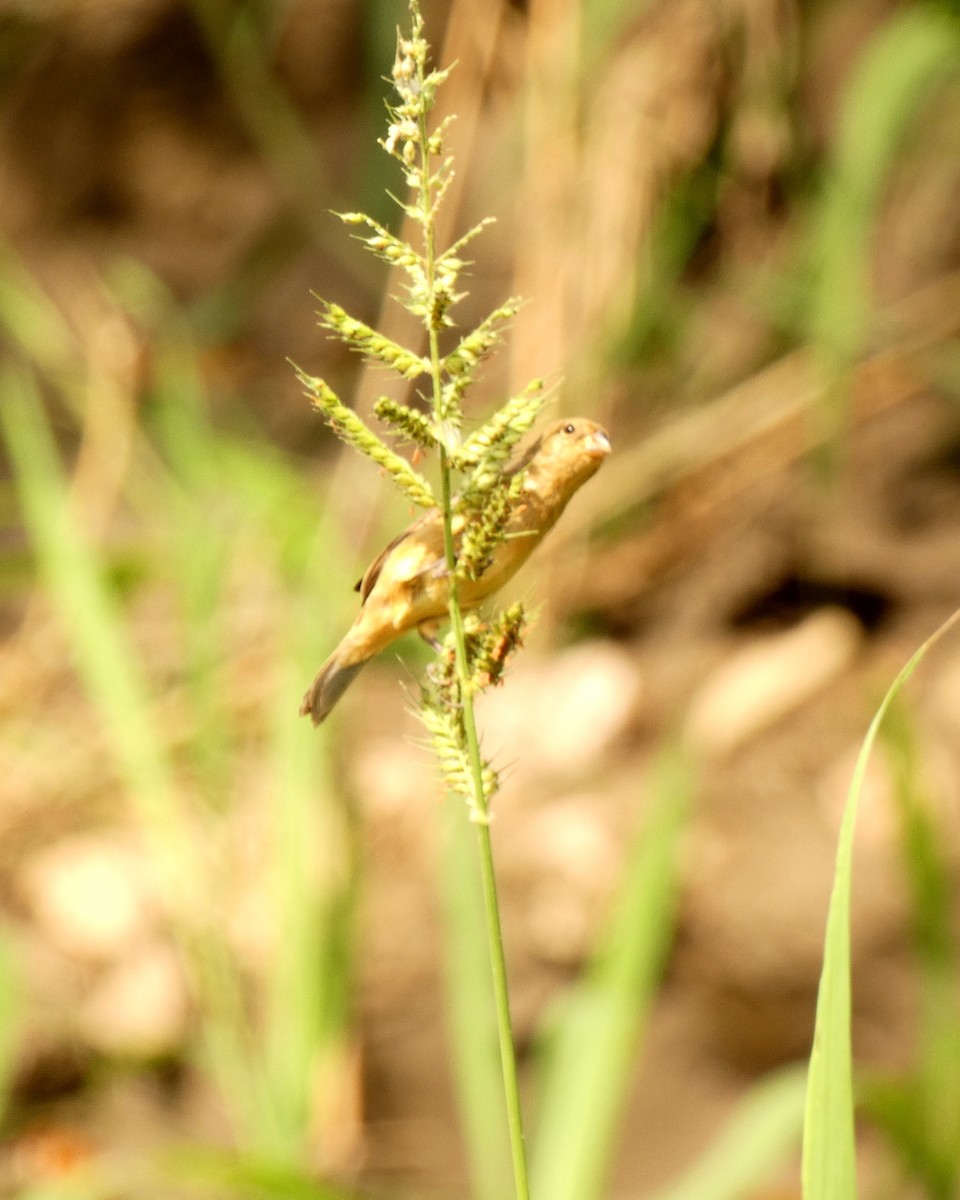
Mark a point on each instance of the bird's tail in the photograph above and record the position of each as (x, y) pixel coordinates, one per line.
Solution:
(331, 681)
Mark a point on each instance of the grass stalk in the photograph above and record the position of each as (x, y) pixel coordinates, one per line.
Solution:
(498, 965)
(469, 524)
(471, 1014)
(106, 664)
(480, 808)
(480, 812)
(588, 1053)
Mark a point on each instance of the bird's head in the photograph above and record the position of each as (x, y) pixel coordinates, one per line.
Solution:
(565, 456)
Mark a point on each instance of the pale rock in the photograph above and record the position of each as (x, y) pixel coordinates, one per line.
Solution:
(558, 925)
(571, 859)
(945, 692)
(140, 1006)
(770, 678)
(877, 824)
(568, 838)
(395, 779)
(564, 714)
(90, 894)
(934, 787)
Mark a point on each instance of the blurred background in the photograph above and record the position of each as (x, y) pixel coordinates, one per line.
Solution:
(229, 949)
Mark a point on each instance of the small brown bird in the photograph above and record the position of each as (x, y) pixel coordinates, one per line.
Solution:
(406, 587)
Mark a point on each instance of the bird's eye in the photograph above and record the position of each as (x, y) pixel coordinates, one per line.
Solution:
(569, 429)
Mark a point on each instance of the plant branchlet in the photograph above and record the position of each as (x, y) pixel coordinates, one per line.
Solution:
(351, 429)
(489, 647)
(477, 491)
(483, 529)
(410, 423)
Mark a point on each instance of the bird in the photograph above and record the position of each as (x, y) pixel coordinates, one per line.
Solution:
(407, 586)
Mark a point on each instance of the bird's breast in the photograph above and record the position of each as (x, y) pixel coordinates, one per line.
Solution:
(524, 532)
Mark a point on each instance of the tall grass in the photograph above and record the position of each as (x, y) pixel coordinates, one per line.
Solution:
(220, 514)
(898, 76)
(829, 1149)
(595, 1037)
(919, 1111)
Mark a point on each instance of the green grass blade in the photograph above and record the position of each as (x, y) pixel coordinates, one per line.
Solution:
(829, 1152)
(111, 674)
(764, 1129)
(926, 864)
(308, 989)
(11, 1012)
(591, 1053)
(913, 53)
(109, 671)
(919, 1112)
(470, 1014)
(602, 25)
(221, 1173)
(84, 603)
(34, 325)
(258, 508)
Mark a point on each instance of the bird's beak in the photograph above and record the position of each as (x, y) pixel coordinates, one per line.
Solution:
(597, 445)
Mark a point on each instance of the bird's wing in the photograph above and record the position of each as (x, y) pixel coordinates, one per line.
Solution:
(523, 459)
(364, 584)
(411, 553)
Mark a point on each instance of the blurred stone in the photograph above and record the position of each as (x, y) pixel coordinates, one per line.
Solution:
(945, 690)
(570, 859)
(564, 713)
(877, 824)
(90, 895)
(774, 676)
(558, 925)
(397, 781)
(933, 787)
(140, 1006)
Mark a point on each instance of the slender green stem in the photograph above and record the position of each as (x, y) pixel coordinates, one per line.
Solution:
(480, 807)
(498, 964)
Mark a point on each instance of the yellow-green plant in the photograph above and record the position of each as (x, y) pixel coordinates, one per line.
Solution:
(829, 1151)
(473, 489)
